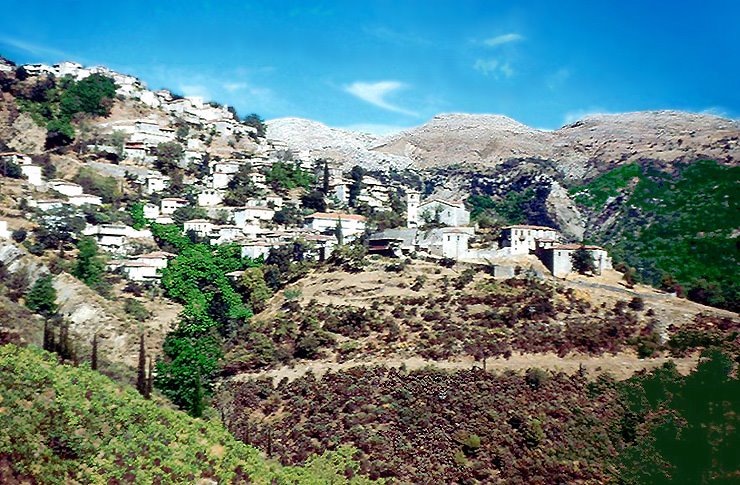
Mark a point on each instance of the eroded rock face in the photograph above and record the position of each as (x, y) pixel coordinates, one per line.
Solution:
(17, 130)
(565, 213)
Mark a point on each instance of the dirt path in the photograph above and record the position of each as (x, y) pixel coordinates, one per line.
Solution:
(621, 365)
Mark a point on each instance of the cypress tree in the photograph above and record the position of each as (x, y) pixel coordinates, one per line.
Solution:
(326, 177)
(94, 356)
(141, 384)
(42, 297)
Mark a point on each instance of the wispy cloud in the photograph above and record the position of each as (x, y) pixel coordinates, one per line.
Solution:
(195, 90)
(376, 94)
(557, 78)
(37, 50)
(579, 114)
(233, 87)
(503, 39)
(494, 68)
(394, 37)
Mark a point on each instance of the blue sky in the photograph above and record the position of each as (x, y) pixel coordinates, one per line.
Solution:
(380, 65)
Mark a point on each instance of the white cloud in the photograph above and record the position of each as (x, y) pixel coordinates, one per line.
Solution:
(235, 86)
(557, 79)
(579, 114)
(503, 39)
(195, 90)
(494, 67)
(376, 93)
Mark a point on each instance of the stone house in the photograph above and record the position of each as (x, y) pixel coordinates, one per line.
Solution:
(352, 225)
(244, 216)
(201, 227)
(449, 213)
(136, 270)
(151, 211)
(33, 174)
(4, 232)
(446, 242)
(82, 199)
(66, 188)
(47, 205)
(210, 198)
(559, 258)
(522, 239)
(156, 182)
(169, 205)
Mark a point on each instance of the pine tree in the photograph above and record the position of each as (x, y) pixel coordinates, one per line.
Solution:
(90, 267)
(42, 297)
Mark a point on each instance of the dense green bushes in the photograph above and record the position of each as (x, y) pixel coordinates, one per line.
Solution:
(61, 424)
(676, 226)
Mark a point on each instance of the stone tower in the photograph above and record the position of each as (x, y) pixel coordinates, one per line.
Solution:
(412, 208)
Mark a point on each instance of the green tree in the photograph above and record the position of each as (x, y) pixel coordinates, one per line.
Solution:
(89, 267)
(314, 200)
(168, 155)
(90, 95)
(136, 211)
(241, 188)
(354, 190)
(42, 297)
(255, 121)
(189, 367)
(583, 261)
(255, 289)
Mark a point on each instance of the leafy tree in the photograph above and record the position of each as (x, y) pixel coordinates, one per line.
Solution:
(284, 176)
(583, 261)
(354, 190)
(255, 121)
(136, 211)
(58, 227)
(42, 297)
(19, 235)
(288, 215)
(314, 200)
(168, 155)
(90, 95)
(10, 169)
(241, 188)
(681, 429)
(189, 368)
(255, 289)
(89, 267)
(188, 213)
(107, 188)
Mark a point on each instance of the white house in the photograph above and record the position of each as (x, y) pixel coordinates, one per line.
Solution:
(220, 180)
(156, 182)
(210, 198)
(113, 237)
(351, 224)
(522, 239)
(32, 173)
(156, 259)
(449, 213)
(4, 232)
(169, 205)
(47, 205)
(559, 258)
(67, 188)
(243, 216)
(82, 199)
(447, 242)
(136, 270)
(227, 233)
(134, 150)
(255, 249)
(151, 211)
(412, 207)
(201, 227)
(16, 157)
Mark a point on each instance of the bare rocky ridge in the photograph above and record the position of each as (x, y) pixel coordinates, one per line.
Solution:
(579, 150)
(345, 146)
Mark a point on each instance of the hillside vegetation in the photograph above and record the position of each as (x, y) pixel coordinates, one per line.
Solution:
(62, 424)
(432, 426)
(674, 227)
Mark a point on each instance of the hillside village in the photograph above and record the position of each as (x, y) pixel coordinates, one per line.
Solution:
(237, 196)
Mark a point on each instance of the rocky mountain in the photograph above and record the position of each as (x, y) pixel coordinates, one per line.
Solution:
(579, 150)
(348, 147)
